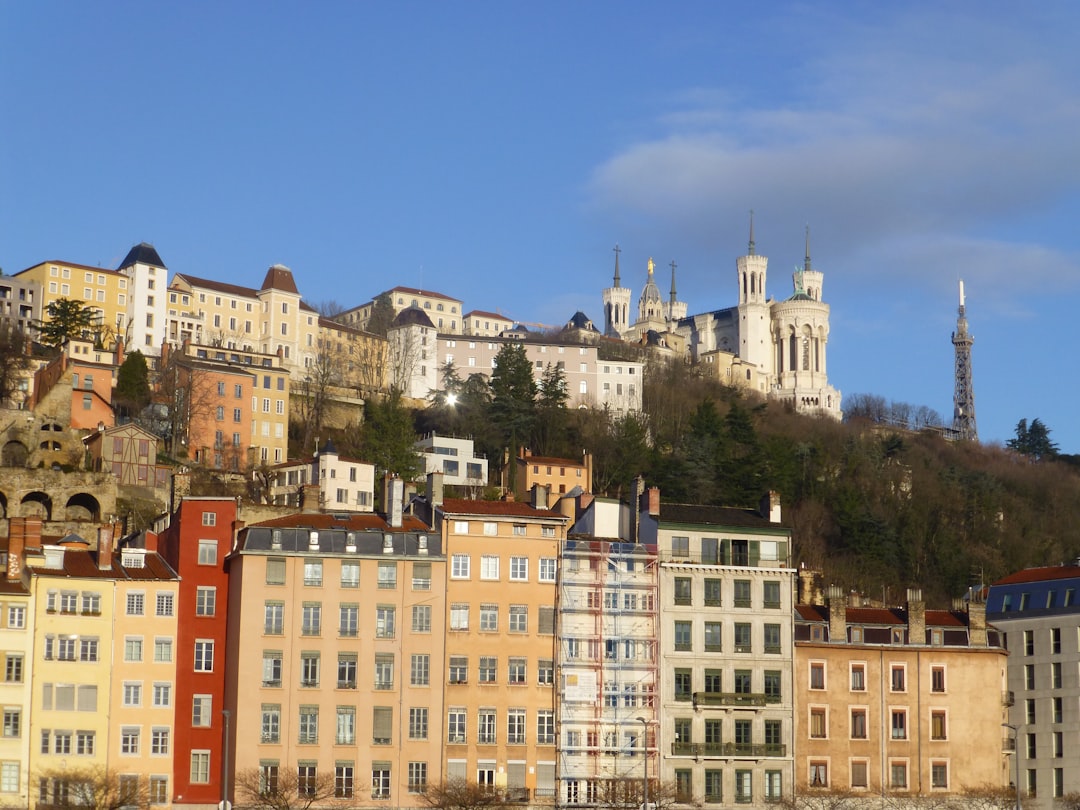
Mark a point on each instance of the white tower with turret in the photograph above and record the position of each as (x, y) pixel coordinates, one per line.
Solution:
(755, 345)
(616, 304)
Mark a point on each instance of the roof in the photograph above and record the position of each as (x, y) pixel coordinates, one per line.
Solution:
(881, 616)
(485, 314)
(413, 316)
(218, 286)
(427, 293)
(73, 265)
(562, 462)
(279, 277)
(714, 516)
(1045, 574)
(351, 522)
(339, 541)
(142, 253)
(579, 320)
(81, 563)
(461, 506)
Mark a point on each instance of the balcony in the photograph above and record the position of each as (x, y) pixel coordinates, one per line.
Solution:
(728, 750)
(1008, 745)
(346, 684)
(268, 737)
(517, 795)
(733, 699)
(1008, 699)
(273, 683)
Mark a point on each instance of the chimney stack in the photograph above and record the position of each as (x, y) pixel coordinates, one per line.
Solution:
(769, 506)
(976, 621)
(837, 615)
(916, 616)
(104, 548)
(395, 496)
(652, 500)
(435, 489)
(638, 490)
(540, 495)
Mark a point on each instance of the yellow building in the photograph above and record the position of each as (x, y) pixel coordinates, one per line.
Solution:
(334, 679)
(500, 643)
(106, 291)
(897, 701)
(16, 644)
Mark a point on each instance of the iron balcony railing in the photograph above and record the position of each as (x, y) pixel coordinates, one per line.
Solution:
(744, 699)
(728, 750)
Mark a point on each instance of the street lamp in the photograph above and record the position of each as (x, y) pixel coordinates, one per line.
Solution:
(1016, 758)
(645, 775)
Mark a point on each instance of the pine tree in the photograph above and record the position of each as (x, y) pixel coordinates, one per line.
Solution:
(513, 399)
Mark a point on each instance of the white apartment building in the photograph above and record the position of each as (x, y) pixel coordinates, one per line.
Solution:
(455, 458)
(341, 484)
(148, 281)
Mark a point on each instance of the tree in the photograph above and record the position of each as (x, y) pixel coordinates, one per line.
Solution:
(95, 788)
(513, 399)
(314, 390)
(68, 318)
(382, 315)
(1070, 801)
(458, 794)
(14, 359)
(388, 439)
(1033, 441)
(133, 384)
(551, 415)
(270, 789)
(989, 797)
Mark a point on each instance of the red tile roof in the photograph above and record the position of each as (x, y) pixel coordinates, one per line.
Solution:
(1048, 573)
(218, 286)
(881, 616)
(460, 506)
(428, 293)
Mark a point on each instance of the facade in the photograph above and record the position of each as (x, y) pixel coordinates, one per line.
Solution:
(20, 302)
(725, 659)
(148, 279)
(340, 484)
(455, 458)
(486, 324)
(1037, 613)
(107, 291)
(128, 451)
(443, 311)
(777, 347)
(337, 656)
(499, 694)
(17, 629)
(898, 702)
(195, 544)
(76, 386)
(557, 476)
(607, 661)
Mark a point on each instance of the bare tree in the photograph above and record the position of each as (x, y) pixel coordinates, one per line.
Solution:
(271, 789)
(1070, 801)
(95, 788)
(458, 794)
(627, 793)
(14, 359)
(989, 797)
(403, 353)
(315, 389)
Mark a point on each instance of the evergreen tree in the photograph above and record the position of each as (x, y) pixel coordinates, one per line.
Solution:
(1033, 440)
(133, 384)
(67, 318)
(551, 416)
(513, 399)
(382, 315)
(14, 359)
(388, 438)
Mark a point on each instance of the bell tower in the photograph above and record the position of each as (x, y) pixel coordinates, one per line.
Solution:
(616, 304)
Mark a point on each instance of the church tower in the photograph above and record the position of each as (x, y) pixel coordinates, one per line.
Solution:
(650, 304)
(616, 304)
(963, 393)
(676, 308)
(755, 343)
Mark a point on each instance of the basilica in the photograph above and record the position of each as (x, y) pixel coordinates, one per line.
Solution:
(777, 348)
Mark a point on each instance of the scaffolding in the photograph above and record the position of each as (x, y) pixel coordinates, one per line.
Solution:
(607, 665)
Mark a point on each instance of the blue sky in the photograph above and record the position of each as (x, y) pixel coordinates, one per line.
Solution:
(496, 152)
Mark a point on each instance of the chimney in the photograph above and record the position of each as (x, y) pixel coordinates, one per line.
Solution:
(976, 621)
(150, 540)
(540, 495)
(837, 602)
(104, 548)
(310, 494)
(16, 545)
(435, 489)
(638, 489)
(916, 616)
(119, 351)
(652, 501)
(587, 461)
(395, 496)
(808, 590)
(181, 488)
(769, 506)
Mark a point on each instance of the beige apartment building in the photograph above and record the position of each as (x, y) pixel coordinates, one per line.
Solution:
(95, 287)
(336, 669)
(897, 701)
(502, 560)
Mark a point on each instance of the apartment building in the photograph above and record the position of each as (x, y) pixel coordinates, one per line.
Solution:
(444, 311)
(20, 302)
(455, 458)
(558, 476)
(725, 603)
(897, 701)
(486, 324)
(196, 541)
(106, 291)
(1037, 612)
(335, 668)
(339, 484)
(502, 560)
(76, 386)
(607, 661)
(17, 629)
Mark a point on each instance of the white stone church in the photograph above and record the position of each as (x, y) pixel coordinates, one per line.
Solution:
(777, 348)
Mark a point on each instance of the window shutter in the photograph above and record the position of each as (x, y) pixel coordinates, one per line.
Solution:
(382, 725)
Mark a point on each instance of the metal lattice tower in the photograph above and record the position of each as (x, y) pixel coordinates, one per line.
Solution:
(963, 393)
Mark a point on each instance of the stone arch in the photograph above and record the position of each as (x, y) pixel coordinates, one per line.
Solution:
(3, 505)
(50, 445)
(14, 454)
(37, 504)
(82, 506)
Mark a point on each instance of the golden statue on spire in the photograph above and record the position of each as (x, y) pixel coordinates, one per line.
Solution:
(651, 265)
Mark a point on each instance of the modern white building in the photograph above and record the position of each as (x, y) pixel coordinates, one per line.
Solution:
(455, 458)
(340, 484)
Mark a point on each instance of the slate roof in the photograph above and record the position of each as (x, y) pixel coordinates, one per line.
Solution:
(262, 537)
(881, 616)
(461, 506)
(714, 516)
(142, 253)
(413, 316)
(347, 522)
(218, 286)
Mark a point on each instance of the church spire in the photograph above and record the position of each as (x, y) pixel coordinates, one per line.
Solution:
(750, 250)
(673, 266)
(617, 252)
(806, 265)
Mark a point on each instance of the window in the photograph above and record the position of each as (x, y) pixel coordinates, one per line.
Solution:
(519, 569)
(1055, 675)
(159, 741)
(937, 679)
(742, 593)
(205, 601)
(489, 567)
(516, 671)
(309, 725)
(418, 723)
(742, 637)
(515, 727)
(545, 727)
(202, 711)
(421, 618)
(683, 633)
(713, 786)
(859, 773)
(771, 594)
(937, 725)
(546, 620)
(774, 786)
(819, 774)
(817, 675)
(713, 631)
(163, 650)
(545, 671)
(772, 639)
(547, 569)
(488, 664)
(313, 573)
(744, 792)
(209, 518)
(899, 724)
(712, 592)
(683, 688)
(1029, 642)
(345, 733)
(459, 566)
(343, 780)
(91, 604)
(420, 670)
(683, 591)
(898, 678)
(274, 618)
(380, 780)
(13, 668)
(132, 694)
(459, 669)
(16, 617)
(898, 774)
(12, 722)
(385, 616)
(311, 619)
(309, 669)
(772, 686)
(1055, 640)
(382, 725)
(680, 546)
(858, 677)
(384, 671)
(275, 570)
(519, 618)
(208, 549)
(858, 724)
(417, 777)
(135, 603)
(421, 576)
(271, 668)
(819, 722)
(459, 616)
(129, 740)
(387, 575)
(455, 726)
